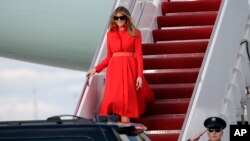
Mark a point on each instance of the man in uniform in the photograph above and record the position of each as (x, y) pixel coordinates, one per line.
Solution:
(215, 126)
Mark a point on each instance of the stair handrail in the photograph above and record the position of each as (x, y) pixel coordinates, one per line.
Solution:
(213, 95)
(148, 22)
(93, 62)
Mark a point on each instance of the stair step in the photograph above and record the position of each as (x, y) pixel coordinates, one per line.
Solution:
(172, 61)
(190, 6)
(163, 135)
(162, 122)
(174, 76)
(168, 106)
(188, 33)
(175, 47)
(186, 19)
(172, 91)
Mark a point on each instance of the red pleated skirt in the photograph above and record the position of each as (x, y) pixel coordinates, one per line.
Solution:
(120, 95)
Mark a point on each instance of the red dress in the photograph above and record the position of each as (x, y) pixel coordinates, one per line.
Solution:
(120, 95)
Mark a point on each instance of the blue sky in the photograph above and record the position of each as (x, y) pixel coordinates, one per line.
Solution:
(31, 91)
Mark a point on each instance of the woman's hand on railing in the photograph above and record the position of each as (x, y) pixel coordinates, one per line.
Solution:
(91, 72)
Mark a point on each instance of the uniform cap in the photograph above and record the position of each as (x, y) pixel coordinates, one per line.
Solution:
(215, 123)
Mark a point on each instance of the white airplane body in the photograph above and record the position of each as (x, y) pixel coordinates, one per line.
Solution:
(61, 33)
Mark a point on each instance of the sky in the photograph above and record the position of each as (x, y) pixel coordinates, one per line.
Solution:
(31, 91)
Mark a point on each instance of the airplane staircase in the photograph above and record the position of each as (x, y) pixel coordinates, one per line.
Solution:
(172, 63)
(185, 68)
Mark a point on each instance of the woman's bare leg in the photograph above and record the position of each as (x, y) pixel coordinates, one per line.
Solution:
(125, 119)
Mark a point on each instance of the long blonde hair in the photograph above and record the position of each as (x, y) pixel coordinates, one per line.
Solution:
(132, 30)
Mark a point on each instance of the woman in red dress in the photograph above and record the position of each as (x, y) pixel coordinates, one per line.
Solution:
(126, 91)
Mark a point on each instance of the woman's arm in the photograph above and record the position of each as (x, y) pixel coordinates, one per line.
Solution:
(105, 61)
